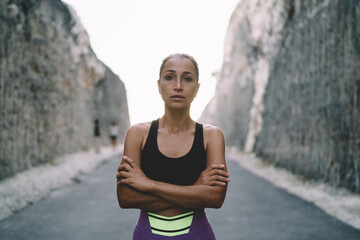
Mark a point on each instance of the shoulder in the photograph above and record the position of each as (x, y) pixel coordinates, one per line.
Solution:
(212, 134)
(212, 131)
(139, 129)
(134, 140)
(214, 144)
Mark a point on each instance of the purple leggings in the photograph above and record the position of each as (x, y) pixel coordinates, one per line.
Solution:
(200, 229)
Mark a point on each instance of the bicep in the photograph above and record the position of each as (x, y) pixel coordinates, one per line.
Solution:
(133, 144)
(215, 147)
(215, 153)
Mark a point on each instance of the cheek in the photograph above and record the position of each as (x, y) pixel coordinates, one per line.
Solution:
(193, 94)
(195, 90)
(163, 89)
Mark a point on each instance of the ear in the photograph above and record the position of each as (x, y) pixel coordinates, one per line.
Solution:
(197, 89)
(158, 83)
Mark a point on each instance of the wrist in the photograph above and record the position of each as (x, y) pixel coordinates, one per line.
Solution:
(151, 186)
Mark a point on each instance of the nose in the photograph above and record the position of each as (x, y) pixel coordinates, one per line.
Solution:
(178, 84)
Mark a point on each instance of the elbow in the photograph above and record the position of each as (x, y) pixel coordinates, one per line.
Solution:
(217, 200)
(217, 203)
(123, 198)
(123, 203)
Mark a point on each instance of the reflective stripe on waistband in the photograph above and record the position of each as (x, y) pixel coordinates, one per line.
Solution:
(170, 226)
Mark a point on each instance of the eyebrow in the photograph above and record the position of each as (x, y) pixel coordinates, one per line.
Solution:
(173, 71)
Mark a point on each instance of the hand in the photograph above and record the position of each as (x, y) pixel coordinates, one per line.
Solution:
(214, 175)
(129, 173)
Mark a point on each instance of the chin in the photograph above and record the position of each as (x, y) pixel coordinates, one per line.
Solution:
(178, 105)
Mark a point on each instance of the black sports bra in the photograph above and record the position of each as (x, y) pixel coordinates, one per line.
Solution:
(184, 170)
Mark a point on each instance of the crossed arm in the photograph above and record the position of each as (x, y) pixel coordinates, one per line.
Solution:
(135, 190)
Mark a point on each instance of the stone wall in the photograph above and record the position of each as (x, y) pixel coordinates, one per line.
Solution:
(52, 86)
(312, 102)
(251, 44)
(303, 66)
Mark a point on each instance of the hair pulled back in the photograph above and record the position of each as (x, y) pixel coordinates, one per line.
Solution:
(181, 55)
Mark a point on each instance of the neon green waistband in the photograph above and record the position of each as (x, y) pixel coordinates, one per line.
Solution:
(170, 226)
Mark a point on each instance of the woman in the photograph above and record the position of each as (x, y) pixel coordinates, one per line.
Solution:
(97, 135)
(113, 129)
(173, 167)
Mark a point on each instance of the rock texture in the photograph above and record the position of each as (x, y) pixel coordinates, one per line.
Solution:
(52, 86)
(289, 88)
(251, 43)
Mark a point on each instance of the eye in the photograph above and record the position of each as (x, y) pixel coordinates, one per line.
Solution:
(188, 79)
(169, 77)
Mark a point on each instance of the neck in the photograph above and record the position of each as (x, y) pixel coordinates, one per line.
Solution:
(176, 121)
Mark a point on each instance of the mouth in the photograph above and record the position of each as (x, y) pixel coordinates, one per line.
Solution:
(177, 97)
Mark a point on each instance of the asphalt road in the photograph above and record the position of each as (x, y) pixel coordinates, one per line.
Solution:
(253, 210)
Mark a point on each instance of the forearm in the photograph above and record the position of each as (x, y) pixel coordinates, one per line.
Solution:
(129, 197)
(191, 197)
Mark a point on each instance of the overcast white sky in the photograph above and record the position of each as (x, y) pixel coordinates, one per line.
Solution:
(133, 36)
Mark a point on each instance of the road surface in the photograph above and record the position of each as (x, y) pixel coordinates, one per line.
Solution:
(254, 209)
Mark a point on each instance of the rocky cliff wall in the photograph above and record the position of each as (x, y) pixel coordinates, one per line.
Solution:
(251, 44)
(52, 86)
(291, 74)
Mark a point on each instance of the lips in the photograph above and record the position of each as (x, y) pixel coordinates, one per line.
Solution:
(177, 97)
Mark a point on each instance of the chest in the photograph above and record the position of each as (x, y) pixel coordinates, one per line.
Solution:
(174, 159)
(175, 145)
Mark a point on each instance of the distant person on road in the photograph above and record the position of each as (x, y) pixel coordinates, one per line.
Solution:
(97, 135)
(114, 129)
(173, 167)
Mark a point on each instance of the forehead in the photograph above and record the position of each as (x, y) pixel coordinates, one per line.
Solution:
(179, 64)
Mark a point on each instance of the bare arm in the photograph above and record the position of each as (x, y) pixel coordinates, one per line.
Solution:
(192, 197)
(129, 197)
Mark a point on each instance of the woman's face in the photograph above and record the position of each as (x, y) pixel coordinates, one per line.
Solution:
(178, 83)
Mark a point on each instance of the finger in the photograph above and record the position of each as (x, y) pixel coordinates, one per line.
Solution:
(124, 167)
(118, 176)
(219, 179)
(122, 175)
(214, 166)
(121, 167)
(122, 181)
(217, 166)
(218, 183)
(219, 172)
(125, 159)
(129, 161)
(222, 179)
